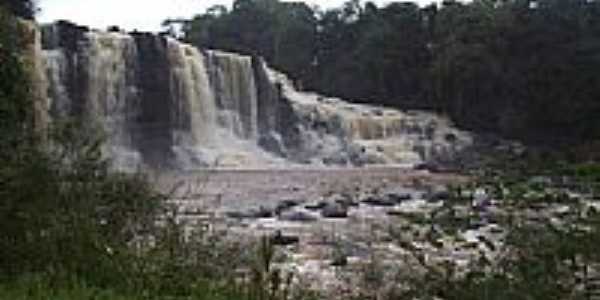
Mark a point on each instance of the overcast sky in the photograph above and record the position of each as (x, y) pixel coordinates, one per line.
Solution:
(143, 15)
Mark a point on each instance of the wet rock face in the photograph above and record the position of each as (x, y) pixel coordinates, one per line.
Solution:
(64, 35)
(167, 105)
(151, 128)
(70, 38)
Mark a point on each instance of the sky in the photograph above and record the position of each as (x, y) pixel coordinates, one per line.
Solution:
(143, 15)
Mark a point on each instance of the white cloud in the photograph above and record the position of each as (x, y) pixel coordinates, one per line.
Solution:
(145, 15)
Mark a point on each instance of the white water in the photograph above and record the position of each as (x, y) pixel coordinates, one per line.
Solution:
(165, 104)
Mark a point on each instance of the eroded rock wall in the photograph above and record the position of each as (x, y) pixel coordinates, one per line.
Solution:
(167, 105)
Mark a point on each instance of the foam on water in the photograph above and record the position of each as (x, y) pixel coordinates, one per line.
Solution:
(166, 104)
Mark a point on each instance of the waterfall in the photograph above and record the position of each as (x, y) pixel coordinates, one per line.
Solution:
(232, 79)
(164, 104)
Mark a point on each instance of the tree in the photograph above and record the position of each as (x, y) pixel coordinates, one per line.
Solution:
(21, 8)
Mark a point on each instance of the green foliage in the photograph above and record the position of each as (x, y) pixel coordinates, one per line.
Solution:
(21, 8)
(284, 33)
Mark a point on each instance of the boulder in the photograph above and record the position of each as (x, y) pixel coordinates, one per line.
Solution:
(315, 205)
(427, 166)
(378, 201)
(286, 205)
(273, 142)
(334, 211)
(260, 213)
(481, 199)
(340, 260)
(439, 193)
(297, 216)
(399, 197)
(279, 239)
(344, 200)
(347, 202)
(237, 215)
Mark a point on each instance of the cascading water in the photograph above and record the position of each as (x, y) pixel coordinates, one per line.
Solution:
(164, 104)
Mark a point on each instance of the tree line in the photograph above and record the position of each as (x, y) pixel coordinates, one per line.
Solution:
(521, 68)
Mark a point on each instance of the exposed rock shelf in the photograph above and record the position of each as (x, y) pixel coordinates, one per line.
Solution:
(164, 104)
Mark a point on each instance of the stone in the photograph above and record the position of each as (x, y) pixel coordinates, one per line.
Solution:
(334, 211)
(286, 205)
(399, 197)
(261, 213)
(378, 201)
(450, 137)
(427, 166)
(347, 202)
(273, 142)
(438, 193)
(236, 215)
(279, 239)
(481, 199)
(340, 260)
(297, 216)
(344, 200)
(315, 205)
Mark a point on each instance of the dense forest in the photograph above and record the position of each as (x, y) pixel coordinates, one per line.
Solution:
(524, 69)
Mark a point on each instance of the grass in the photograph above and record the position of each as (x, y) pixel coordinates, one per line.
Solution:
(37, 288)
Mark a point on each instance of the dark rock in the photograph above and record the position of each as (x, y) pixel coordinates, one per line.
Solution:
(450, 137)
(345, 200)
(337, 159)
(439, 193)
(395, 213)
(378, 201)
(316, 205)
(237, 215)
(261, 213)
(334, 211)
(286, 205)
(428, 166)
(475, 225)
(297, 216)
(399, 197)
(273, 142)
(154, 142)
(483, 205)
(279, 239)
(114, 28)
(340, 261)
(481, 200)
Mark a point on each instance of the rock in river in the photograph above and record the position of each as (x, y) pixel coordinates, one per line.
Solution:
(334, 211)
(297, 216)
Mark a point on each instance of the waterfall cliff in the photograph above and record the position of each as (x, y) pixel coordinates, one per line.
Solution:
(165, 104)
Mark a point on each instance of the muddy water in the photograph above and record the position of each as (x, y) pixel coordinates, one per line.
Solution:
(250, 188)
(211, 194)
